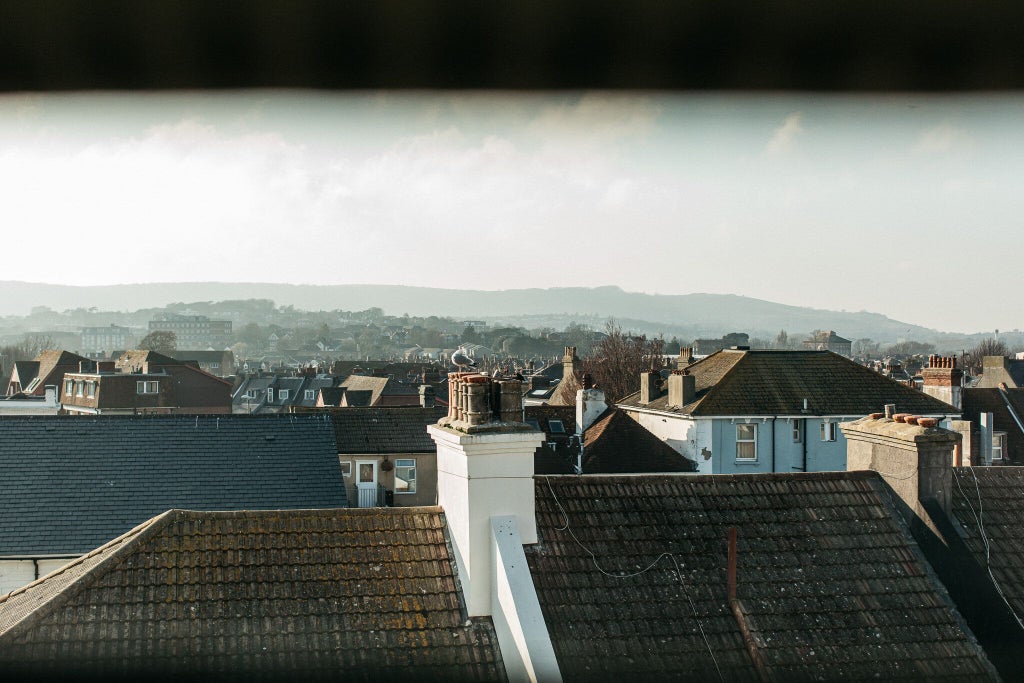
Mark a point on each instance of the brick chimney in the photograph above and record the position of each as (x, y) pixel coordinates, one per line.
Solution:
(650, 386)
(916, 460)
(428, 396)
(943, 380)
(569, 362)
(682, 388)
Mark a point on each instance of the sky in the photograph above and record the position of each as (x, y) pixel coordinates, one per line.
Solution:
(905, 205)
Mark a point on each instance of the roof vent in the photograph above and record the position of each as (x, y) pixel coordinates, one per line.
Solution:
(740, 348)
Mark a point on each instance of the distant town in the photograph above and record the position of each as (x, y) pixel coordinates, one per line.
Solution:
(473, 497)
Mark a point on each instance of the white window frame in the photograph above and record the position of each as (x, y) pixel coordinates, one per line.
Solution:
(149, 386)
(282, 394)
(346, 467)
(270, 394)
(79, 388)
(310, 394)
(90, 389)
(551, 426)
(998, 445)
(752, 439)
(69, 387)
(798, 431)
(406, 464)
(828, 431)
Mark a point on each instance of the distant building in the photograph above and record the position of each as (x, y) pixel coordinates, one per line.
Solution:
(195, 331)
(106, 339)
(217, 363)
(827, 340)
(31, 377)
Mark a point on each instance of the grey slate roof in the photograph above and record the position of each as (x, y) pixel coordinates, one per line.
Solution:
(71, 484)
(363, 595)
(831, 585)
(739, 382)
(385, 430)
(992, 498)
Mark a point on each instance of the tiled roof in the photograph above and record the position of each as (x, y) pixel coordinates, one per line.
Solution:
(315, 594)
(70, 484)
(134, 358)
(385, 430)
(977, 401)
(998, 493)
(365, 383)
(616, 443)
(830, 584)
(733, 382)
(544, 414)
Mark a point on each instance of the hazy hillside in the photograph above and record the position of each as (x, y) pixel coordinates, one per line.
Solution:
(710, 314)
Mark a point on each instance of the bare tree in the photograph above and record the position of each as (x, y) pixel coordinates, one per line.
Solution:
(616, 361)
(986, 347)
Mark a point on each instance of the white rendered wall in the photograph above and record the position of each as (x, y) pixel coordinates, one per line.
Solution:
(523, 636)
(17, 573)
(480, 476)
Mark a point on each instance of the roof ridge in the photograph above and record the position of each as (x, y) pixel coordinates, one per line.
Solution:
(117, 548)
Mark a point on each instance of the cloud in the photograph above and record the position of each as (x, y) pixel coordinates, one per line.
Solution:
(785, 135)
(942, 138)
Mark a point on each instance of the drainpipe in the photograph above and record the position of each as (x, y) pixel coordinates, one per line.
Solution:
(775, 417)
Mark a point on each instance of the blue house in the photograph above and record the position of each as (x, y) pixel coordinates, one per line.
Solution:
(740, 410)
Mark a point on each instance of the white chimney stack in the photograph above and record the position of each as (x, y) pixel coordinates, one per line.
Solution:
(590, 404)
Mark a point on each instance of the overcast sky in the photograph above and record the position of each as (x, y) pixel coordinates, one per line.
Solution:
(903, 205)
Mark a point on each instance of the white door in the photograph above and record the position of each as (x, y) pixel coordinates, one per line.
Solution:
(366, 483)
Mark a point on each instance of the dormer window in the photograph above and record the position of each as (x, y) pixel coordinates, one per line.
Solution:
(556, 427)
(147, 387)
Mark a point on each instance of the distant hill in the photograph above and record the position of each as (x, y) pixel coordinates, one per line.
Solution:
(702, 314)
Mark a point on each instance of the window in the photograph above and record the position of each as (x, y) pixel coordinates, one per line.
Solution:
(79, 386)
(532, 421)
(798, 431)
(405, 476)
(282, 394)
(310, 394)
(828, 431)
(69, 387)
(270, 394)
(556, 426)
(998, 445)
(90, 389)
(746, 442)
(346, 468)
(149, 387)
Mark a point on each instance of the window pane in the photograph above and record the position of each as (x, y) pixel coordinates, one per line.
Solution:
(745, 450)
(366, 473)
(405, 476)
(745, 432)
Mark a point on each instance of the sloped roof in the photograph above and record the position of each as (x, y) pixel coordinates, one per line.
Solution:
(202, 356)
(26, 370)
(375, 385)
(52, 361)
(616, 443)
(998, 492)
(760, 382)
(70, 484)
(385, 429)
(325, 594)
(977, 401)
(830, 584)
(134, 358)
